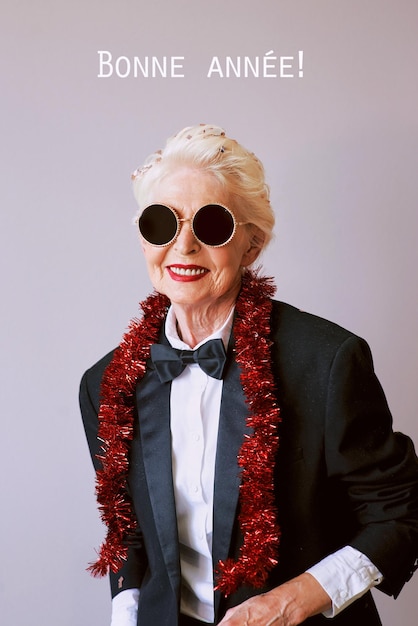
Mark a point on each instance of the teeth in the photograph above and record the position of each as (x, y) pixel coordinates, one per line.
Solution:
(181, 271)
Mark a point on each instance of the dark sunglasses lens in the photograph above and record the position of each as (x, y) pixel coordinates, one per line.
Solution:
(158, 224)
(213, 225)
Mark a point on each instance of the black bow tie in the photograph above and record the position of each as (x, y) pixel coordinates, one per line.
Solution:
(169, 362)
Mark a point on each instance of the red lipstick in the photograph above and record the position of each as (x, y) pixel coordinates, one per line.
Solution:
(186, 273)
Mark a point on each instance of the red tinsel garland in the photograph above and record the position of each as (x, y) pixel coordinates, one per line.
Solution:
(261, 534)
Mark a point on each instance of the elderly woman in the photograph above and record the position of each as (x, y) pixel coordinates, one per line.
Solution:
(246, 466)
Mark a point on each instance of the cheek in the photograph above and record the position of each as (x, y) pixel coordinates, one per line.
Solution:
(227, 265)
(153, 256)
(231, 258)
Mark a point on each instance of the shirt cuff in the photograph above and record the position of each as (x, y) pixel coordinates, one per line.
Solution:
(125, 608)
(345, 575)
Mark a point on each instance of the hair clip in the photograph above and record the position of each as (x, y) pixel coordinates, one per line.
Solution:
(213, 131)
(140, 171)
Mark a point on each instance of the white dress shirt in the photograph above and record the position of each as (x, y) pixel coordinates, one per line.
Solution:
(194, 418)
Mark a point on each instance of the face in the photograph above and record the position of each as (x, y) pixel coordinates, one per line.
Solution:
(188, 272)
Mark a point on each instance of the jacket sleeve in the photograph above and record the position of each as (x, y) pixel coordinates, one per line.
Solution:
(131, 573)
(377, 467)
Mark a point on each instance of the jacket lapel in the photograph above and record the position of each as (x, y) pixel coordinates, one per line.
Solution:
(153, 401)
(232, 427)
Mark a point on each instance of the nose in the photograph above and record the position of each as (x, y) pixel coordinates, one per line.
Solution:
(186, 243)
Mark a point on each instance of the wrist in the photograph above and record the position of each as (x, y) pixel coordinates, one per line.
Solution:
(301, 598)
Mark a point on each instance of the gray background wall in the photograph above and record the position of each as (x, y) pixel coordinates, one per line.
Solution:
(339, 146)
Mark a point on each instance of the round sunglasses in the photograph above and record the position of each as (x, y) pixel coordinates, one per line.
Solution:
(212, 225)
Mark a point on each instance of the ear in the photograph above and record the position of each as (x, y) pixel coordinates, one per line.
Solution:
(256, 243)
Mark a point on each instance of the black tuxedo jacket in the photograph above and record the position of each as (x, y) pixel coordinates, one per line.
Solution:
(342, 477)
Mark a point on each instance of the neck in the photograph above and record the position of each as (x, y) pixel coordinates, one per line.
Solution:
(196, 324)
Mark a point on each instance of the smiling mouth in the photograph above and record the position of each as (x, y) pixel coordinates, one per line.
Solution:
(187, 271)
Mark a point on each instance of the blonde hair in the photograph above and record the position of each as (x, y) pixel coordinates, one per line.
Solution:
(208, 148)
